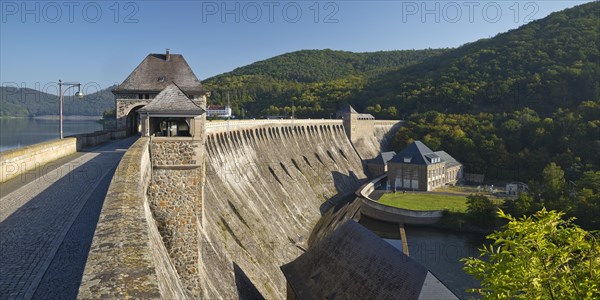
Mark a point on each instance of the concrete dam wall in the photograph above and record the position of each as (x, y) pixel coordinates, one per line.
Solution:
(265, 189)
(265, 186)
(383, 134)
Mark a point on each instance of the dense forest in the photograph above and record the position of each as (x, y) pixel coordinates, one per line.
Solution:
(24, 102)
(544, 65)
(316, 82)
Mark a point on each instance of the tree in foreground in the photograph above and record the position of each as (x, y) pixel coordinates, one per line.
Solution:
(538, 257)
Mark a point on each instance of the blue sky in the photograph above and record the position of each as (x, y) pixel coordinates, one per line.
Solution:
(99, 43)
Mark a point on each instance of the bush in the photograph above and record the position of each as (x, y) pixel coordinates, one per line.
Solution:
(481, 210)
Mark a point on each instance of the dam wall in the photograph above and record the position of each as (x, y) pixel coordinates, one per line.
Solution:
(264, 185)
(383, 134)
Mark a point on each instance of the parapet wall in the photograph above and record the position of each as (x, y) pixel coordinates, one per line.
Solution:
(16, 162)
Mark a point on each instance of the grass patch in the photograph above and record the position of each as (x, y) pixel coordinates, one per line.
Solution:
(425, 201)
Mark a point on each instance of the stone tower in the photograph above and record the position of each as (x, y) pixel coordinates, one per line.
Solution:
(357, 126)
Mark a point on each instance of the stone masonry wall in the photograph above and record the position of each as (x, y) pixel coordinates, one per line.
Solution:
(124, 106)
(176, 205)
(174, 152)
(175, 200)
(31, 159)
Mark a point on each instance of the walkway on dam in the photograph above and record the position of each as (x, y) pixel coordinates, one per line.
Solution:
(47, 222)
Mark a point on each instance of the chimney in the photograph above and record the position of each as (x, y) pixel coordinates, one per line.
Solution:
(168, 55)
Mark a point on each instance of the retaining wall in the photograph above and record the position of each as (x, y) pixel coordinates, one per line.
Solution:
(378, 211)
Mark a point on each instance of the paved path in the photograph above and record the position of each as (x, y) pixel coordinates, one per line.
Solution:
(47, 224)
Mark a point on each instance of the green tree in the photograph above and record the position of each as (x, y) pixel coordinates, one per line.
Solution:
(522, 205)
(481, 210)
(554, 184)
(588, 200)
(539, 257)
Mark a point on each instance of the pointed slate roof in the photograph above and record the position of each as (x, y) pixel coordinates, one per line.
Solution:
(418, 153)
(354, 263)
(347, 109)
(155, 73)
(172, 101)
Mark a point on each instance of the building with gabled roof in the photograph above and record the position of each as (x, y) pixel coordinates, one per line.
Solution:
(354, 263)
(417, 167)
(147, 80)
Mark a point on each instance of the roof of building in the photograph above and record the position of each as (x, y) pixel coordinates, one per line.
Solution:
(383, 158)
(354, 263)
(366, 116)
(156, 72)
(417, 152)
(450, 161)
(216, 107)
(172, 101)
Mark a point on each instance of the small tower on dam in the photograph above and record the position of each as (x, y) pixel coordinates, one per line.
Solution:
(357, 126)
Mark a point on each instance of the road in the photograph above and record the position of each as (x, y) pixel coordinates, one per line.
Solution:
(47, 222)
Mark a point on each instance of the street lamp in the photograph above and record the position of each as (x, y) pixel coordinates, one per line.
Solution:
(79, 95)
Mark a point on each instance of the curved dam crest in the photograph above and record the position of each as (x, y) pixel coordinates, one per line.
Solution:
(266, 187)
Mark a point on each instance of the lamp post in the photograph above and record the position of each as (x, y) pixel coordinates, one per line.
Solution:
(79, 95)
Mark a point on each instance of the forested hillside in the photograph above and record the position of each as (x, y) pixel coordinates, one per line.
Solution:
(544, 65)
(24, 102)
(317, 81)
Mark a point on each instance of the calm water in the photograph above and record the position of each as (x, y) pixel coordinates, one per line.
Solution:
(441, 251)
(15, 133)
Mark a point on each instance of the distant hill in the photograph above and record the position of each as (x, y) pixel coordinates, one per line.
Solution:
(325, 65)
(24, 102)
(318, 81)
(549, 63)
(543, 65)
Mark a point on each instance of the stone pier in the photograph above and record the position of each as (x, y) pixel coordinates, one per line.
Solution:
(175, 200)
